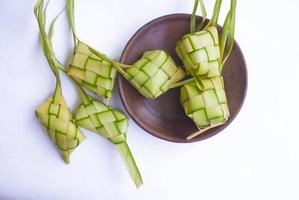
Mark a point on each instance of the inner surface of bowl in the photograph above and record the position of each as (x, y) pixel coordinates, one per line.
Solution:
(164, 116)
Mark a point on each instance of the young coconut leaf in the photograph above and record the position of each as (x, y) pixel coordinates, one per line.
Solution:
(193, 26)
(227, 34)
(54, 113)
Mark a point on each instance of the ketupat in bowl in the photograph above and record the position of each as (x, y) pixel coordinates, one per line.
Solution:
(164, 117)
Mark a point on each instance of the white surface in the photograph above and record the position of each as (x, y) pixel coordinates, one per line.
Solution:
(256, 157)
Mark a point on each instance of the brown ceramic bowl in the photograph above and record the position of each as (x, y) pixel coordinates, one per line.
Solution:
(164, 116)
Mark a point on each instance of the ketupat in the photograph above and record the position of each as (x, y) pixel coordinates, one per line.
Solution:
(109, 123)
(199, 50)
(203, 55)
(153, 74)
(91, 71)
(58, 121)
(208, 108)
(54, 113)
(200, 53)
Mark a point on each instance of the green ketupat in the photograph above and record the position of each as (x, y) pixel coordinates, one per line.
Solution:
(203, 54)
(200, 53)
(207, 108)
(58, 121)
(91, 71)
(199, 50)
(111, 124)
(54, 113)
(153, 74)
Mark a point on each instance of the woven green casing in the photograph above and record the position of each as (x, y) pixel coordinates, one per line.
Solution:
(112, 125)
(102, 119)
(207, 108)
(57, 119)
(199, 52)
(153, 74)
(92, 72)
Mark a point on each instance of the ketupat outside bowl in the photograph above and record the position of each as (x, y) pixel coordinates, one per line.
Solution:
(164, 117)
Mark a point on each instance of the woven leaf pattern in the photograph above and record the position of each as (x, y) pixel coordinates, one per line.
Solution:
(206, 107)
(98, 117)
(153, 74)
(111, 124)
(200, 53)
(57, 119)
(92, 72)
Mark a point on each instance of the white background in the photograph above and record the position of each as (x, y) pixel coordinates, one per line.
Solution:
(256, 157)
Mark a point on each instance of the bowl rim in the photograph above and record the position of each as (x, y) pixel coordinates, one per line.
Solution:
(140, 122)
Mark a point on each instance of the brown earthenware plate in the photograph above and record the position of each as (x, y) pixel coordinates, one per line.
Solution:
(164, 117)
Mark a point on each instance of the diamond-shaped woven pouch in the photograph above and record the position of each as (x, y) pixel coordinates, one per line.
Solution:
(208, 107)
(153, 74)
(111, 124)
(200, 53)
(92, 72)
(57, 119)
(102, 119)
